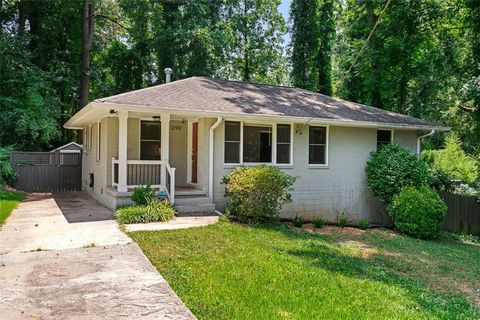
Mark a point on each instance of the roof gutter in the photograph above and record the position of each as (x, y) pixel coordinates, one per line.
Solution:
(210, 157)
(419, 145)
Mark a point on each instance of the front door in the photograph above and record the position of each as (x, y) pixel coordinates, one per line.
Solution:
(194, 151)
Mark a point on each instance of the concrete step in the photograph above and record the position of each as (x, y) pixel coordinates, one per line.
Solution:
(189, 192)
(198, 208)
(191, 200)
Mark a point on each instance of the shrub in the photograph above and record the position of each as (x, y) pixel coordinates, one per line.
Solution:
(142, 195)
(319, 222)
(257, 193)
(451, 163)
(418, 212)
(364, 224)
(393, 167)
(154, 211)
(8, 175)
(342, 220)
(298, 221)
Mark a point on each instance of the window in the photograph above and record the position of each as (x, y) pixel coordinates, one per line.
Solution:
(283, 143)
(253, 143)
(257, 144)
(150, 140)
(232, 142)
(99, 139)
(317, 145)
(383, 137)
(89, 138)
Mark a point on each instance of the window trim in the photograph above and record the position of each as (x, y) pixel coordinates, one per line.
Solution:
(98, 141)
(273, 125)
(327, 146)
(140, 135)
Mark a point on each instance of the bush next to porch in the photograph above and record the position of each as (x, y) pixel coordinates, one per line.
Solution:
(257, 193)
(142, 195)
(154, 211)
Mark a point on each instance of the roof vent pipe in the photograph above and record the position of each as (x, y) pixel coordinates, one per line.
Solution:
(168, 73)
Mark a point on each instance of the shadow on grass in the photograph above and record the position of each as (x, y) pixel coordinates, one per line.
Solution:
(321, 251)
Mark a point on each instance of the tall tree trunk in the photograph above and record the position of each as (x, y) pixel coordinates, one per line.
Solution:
(87, 38)
(374, 44)
(246, 62)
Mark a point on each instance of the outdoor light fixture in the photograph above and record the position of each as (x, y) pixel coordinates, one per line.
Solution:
(113, 111)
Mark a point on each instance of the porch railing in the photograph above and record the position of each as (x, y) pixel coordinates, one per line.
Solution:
(147, 172)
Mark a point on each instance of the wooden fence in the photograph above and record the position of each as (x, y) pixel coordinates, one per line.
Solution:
(47, 171)
(463, 213)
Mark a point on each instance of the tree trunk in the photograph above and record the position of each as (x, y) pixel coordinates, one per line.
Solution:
(87, 38)
(374, 44)
(246, 65)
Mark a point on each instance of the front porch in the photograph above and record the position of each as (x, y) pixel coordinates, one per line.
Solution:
(161, 150)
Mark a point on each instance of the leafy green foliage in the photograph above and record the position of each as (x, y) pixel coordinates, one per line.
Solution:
(451, 163)
(342, 220)
(8, 175)
(364, 224)
(393, 167)
(154, 211)
(313, 30)
(418, 212)
(298, 221)
(319, 222)
(143, 195)
(257, 193)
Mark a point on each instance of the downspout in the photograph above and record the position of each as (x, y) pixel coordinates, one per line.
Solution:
(420, 138)
(210, 158)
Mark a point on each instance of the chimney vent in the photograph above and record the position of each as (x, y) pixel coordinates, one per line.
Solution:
(168, 73)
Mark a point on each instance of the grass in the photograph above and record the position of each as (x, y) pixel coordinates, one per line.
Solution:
(8, 202)
(232, 271)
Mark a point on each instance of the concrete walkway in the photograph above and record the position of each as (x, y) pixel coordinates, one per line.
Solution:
(91, 270)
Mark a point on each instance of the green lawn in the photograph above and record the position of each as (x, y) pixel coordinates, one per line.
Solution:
(231, 271)
(8, 202)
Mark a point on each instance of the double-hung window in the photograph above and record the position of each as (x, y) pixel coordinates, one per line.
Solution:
(254, 143)
(318, 145)
(383, 137)
(150, 140)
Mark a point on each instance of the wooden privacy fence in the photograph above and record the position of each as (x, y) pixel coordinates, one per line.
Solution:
(463, 213)
(47, 171)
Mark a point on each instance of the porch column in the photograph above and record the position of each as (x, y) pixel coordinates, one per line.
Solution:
(165, 148)
(122, 151)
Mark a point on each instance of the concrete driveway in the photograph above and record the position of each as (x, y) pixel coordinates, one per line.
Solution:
(63, 257)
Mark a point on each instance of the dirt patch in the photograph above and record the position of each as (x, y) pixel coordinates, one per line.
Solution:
(308, 227)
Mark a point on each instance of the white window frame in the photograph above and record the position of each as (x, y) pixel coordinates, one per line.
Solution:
(88, 141)
(327, 147)
(273, 125)
(97, 147)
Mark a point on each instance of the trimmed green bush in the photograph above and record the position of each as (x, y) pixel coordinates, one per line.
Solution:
(319, 222)
(8, 175)
(298, 221)
(364, 224)
(142, 195)
(391, 168)
(154, 211)
(257, 193)
(418, 212)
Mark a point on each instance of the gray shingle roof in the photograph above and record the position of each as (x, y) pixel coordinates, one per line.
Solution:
(235, 97)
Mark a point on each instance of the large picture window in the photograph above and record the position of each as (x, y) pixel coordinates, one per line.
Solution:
(317, 145)
(257, 144)
(150, 140)
(253, 143)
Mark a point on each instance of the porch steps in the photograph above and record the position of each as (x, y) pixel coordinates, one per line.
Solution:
(193, 201)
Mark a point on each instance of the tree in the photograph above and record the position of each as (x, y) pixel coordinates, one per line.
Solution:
(256, 29)
(313, 31)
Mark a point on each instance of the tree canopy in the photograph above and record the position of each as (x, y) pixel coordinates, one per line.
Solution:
(420, 58)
